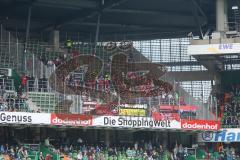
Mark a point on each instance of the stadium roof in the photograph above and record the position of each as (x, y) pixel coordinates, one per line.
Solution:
(141, 19)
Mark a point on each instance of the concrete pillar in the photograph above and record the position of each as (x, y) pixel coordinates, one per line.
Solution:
(163, 136)
(217, 80)
(55, 39)
(43, 134)
(221, 15)
(165, 139)
(107, 138)
(96, 136)
(37, 134)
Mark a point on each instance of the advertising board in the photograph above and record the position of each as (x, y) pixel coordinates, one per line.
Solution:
(24, 118)
(132, 112)
(71, 120)
(200, 125)
(135, 122)
(134, 106)
(223, 135)
(213, 49)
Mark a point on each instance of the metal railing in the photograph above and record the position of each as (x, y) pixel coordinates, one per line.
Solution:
(7, 84)
(36, 63)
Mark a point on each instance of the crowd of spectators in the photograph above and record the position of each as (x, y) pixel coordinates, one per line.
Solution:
(137, 151)
(81, 150)
(230, 106)
(29, 83)
(15, 99)
(13, 103)
(132, 83)
(32, 84)
(228, 152)
(101, 83)
(93, 152)
(13, 152)
(10, 101)
(126, 84)
(56, 60)
(187, 114)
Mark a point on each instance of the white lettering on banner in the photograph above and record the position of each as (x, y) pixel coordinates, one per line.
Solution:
(200, 126)
(70, 122)
(209, 49)
(134, 122)
(224, 135)
(24, 118)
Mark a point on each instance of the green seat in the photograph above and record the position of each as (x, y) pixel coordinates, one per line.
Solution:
(190, 157)
(200, 154)
(215, 155)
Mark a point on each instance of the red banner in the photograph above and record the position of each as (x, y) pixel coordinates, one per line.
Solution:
(71, 120)
(105, 110)
(163, 116)
(200, 125)
(186, 108)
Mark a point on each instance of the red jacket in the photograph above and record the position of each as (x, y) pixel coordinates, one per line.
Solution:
(24, 80)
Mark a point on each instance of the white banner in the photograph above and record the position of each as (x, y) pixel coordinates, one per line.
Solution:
(25, 118)
(134, 122)
(223, 135)
(213, 49)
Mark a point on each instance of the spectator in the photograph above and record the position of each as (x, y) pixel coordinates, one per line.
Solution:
(2, 149)
(48, 157)
(47, 142)
(180, 152)
(24, 79)
(175, 152)
(79, 156)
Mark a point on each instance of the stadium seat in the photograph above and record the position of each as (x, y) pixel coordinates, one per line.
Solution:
(45, 100)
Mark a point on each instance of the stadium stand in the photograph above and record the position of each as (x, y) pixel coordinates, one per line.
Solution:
(230, 109)
(126, 85)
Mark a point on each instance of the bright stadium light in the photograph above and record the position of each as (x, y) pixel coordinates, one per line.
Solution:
(234, 7)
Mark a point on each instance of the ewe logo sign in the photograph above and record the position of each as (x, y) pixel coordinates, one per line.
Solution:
(24, 118)
(224, 135)
(224, 48)
(135, 122)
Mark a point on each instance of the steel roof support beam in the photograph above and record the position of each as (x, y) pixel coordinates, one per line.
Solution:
(28, 24)
(87, 14)
(134, 26)
(97, 31)
(199, 8)
(28, 30)
(135, 11)
(183, 63)
(191, 75)
(196, 19)
(67, 4)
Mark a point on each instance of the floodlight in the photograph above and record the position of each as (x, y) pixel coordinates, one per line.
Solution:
(234, 7)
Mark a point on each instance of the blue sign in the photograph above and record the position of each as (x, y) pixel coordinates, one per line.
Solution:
(225, 46)
(207, 136)
(224, 135)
